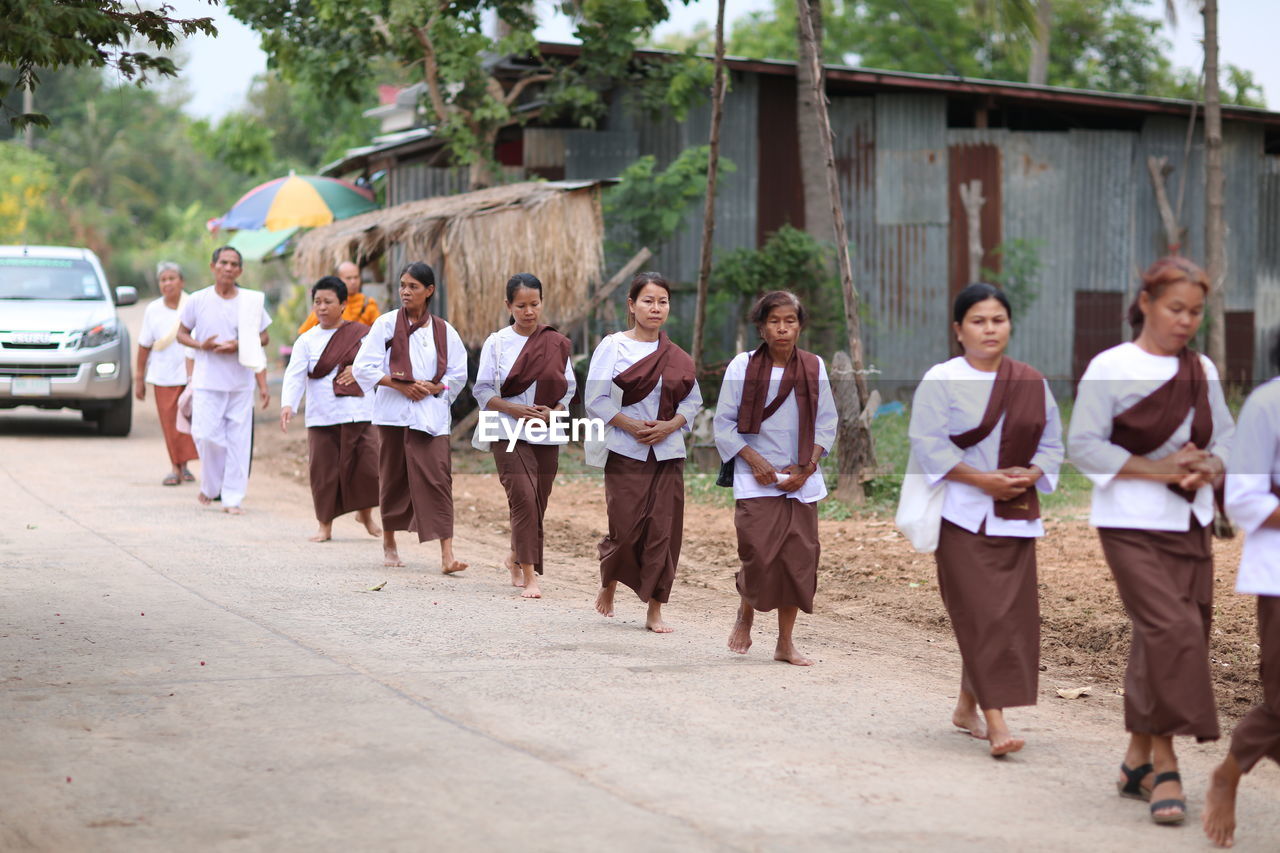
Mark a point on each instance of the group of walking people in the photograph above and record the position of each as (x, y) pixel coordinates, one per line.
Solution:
(1152, 432)
(1150, 429)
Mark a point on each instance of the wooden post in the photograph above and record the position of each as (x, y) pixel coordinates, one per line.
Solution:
(971, 198)
(856, 450)
(709, 207)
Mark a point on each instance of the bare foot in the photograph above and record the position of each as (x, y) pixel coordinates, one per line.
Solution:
(1004, 743)
(324, 533)
(970, 721)
(1219, 819)
(204, 501)
(365, 517)
(740, 636)
(452, 566)
(790, 654)
(604, 601)
(233, 510)
(517, 574)
(531, 589)
(449, 565)
(653, 621)
(391, 557)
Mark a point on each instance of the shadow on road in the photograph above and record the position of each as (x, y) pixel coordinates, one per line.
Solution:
(44, 422)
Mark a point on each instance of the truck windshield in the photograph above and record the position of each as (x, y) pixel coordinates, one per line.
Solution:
(57, 279)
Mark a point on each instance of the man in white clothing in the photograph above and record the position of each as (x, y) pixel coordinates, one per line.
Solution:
(214, 323)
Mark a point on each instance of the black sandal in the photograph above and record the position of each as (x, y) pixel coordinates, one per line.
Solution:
(1181, 805)
(1132, 788)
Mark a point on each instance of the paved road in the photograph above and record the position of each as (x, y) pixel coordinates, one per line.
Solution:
(175, 678)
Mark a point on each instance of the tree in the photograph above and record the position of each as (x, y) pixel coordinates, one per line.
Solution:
(43, 34)
(473, 88)
(709, 206)
(813, 178)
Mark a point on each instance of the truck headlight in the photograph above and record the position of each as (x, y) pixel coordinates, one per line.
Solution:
(96, 336)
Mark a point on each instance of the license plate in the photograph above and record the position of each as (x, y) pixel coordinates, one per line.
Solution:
(31, 386)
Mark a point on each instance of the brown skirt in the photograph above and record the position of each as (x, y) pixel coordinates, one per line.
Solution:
(988, 584)
(1258, 734)
(527, 473)
(645, 502)
(344, 468)
(1165, 581)
(415, 482)
(779, 549)
(179, 444)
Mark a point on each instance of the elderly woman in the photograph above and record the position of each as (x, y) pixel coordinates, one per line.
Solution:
(525, 374)
(775, 419)
(987, 428)
(643, 387)
(167, 366)
(1152, 431)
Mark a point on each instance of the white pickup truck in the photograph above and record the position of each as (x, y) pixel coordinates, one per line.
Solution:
(61, 344)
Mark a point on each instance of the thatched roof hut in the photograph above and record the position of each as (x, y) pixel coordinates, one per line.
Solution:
(475, 242)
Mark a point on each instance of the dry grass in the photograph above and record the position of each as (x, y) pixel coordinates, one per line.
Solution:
(476, 241)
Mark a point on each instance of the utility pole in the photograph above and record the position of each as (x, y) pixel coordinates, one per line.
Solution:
(1214, 223)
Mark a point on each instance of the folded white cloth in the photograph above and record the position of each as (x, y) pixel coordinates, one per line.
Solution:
(171, 335)
(183, 420)
(252, 355)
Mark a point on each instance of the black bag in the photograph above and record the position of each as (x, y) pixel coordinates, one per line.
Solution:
(725, 477)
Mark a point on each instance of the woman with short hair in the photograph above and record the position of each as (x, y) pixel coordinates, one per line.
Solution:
(525, 374)
(774, 420)
(1152, 431)
(167, 366)
(986, 427)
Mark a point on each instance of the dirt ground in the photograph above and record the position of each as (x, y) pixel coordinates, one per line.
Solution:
(867, 567)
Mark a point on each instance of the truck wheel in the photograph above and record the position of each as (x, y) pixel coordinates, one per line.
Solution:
(116, 420)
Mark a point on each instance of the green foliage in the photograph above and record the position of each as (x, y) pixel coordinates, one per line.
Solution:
(42, 34)
(1019, 275)
(651, 204)
(1107, 45)
(25, 180)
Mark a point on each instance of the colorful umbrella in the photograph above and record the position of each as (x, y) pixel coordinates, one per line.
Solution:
(297, 201)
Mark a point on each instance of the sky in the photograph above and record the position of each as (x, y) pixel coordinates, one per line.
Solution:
(218, 71)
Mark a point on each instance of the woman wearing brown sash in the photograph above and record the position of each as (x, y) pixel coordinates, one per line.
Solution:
(643, 387)
(1253, 501)
(1152, 431)
(525, 374)
(774, 420)
(418, 365)
(988, 426)
(342, 443)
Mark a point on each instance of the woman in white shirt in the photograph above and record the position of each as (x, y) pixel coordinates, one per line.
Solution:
(167, 366)
(643, 387)
(341, 441)
(774, 420)
(1253, 501)
(418, 365)
(987, 427)
(1152, 431)
(525, 374)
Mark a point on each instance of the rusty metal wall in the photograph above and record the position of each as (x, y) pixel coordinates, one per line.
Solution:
(1266, 319)
(594, 154)
(414, 181)
(544, 147)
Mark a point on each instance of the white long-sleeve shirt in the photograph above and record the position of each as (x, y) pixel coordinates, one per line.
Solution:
(324, 408)
(497, 357)
(951, 399)
(1115, 380)
(1254, 467)
(390, 407)
(779, 436)
(615, 354)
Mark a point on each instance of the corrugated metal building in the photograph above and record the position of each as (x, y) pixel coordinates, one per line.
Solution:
(1065, 169)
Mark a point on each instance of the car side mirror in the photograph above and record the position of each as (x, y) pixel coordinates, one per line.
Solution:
(126, 295)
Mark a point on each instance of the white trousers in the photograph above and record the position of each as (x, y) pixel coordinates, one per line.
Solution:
(222, 426)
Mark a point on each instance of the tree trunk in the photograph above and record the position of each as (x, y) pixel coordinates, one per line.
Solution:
(709, 207)
(813, 178)
(1159, 168)
(1215, 226)
(856, 451)
(971, 198)
(1039, 72)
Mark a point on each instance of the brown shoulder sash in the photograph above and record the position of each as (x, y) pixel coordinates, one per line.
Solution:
(800, 375)
(340, 352)
(1150, 422)
(543, 360)
(1017, 395)
(668, 363)
(401, 364)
